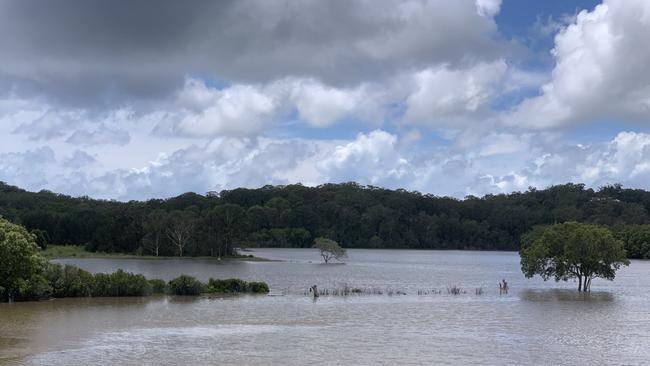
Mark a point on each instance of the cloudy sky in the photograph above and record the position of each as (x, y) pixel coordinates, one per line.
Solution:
(141, 99)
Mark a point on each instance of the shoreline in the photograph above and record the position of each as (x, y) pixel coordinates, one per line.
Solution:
(76, 251)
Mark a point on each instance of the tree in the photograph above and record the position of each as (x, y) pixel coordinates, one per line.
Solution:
(329, 249)
(229, 222)
(636, 239)
(154, 227)
(180, 229)
(572, 250)
(19, 258)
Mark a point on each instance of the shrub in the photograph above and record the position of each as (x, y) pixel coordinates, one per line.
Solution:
(69, 281)
(227, 286)
(120, 283)
(158, 286)
(258, 287)
(235, 286)
(37, 288)
(185, 286)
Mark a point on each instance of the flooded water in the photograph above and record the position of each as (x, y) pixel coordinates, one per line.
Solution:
(535, 323)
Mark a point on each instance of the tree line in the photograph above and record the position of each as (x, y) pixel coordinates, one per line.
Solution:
(351, 214)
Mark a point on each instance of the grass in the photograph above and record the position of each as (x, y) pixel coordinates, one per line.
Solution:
(78, 251)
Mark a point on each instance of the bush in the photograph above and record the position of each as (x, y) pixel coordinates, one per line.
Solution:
(235, 286)
(227, 286)
(158, 286)
(121, 283)
(37, 288)
(258, 287)
(68, 281)
(185, 286)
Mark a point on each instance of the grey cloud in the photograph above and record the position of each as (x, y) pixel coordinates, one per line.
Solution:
(79, 159)
(103, 52)
(27, 169)
(101, 135)
(50, 125)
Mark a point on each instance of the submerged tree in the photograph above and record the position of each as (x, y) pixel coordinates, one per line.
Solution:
(19, 258)
(572, 250)
(329, 249)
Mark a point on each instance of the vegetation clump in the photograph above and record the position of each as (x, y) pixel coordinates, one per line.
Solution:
(158, 286)
(185, 286)
(121, 283)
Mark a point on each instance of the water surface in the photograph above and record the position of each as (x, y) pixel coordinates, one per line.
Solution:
(536, 323)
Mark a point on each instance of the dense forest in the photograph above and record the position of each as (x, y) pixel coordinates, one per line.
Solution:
(293, 215)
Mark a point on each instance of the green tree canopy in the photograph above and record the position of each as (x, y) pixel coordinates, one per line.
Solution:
(572, 250)
(329, 249)
(19, 258)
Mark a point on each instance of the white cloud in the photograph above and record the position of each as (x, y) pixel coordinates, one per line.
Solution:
(488, 8)
(445, 97)
(205, 112)
(498, 163)
(371, 158)
(600, 71)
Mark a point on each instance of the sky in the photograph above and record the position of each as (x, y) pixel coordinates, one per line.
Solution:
(151, 99)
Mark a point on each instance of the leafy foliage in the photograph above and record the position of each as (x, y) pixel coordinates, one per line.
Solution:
(185, 286)
(69, 281)
(158, 286)
(19, 259)
(636, 239)
(572, 250)
(121, 283)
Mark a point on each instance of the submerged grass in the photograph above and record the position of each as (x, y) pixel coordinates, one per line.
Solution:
(346, 290)
(455, 290)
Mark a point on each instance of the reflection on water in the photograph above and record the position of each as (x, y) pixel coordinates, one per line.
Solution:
(565, 295)
(536, 323)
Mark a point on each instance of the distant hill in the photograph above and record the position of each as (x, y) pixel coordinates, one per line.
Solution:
(293, 215)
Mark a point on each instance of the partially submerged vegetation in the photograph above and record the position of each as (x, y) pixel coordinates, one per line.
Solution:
(25, 275)
(572, 251)
(329, 249)
(59, 281)
(346, 290)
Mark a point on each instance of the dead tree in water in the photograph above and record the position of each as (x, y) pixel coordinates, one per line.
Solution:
(503, 287)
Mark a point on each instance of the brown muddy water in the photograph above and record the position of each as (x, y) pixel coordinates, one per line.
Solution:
(536, 323)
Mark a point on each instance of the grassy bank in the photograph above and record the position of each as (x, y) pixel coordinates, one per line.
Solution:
(78, 251)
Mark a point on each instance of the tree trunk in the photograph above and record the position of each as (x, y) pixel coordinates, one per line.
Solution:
(579, 283)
